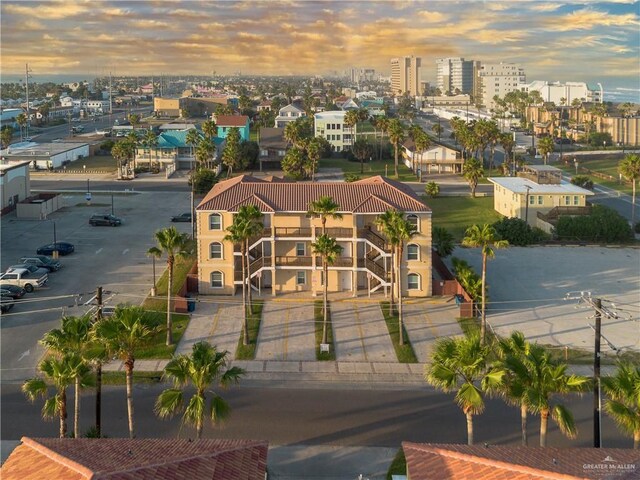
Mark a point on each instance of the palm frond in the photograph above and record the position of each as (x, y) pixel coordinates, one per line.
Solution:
(169, 403)
(218, 409)
(564, 418)
(35, 388)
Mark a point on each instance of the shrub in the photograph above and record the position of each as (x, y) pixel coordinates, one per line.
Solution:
(351, 177)
(597, 139)
(470, 280)
(203, 180)
(442, 241)
(582, 181)
(432, 189)
(602, 225)
(637, 228)
(518, 232)
(107, 145)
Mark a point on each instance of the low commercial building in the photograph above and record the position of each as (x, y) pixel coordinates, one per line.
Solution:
(539, 196)
(282, 259)
(168, 107)
(330, 125)
(14, 183)
(555, 91)
(47, 155)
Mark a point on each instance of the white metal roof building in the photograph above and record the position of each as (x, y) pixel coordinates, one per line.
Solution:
(47, 155)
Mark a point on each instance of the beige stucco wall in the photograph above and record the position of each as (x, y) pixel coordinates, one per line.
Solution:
(15, 181)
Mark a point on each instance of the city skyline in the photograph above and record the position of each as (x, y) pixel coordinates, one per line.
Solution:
(576, 41)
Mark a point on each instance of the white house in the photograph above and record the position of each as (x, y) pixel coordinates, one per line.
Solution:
(287, 114)
(436, 159)
(330, 125)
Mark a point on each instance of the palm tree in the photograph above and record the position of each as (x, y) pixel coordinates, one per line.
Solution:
(383, 125)
(60, 372)
(209, 128)
(396, 137)
(423, 143)
(173, 244)
(386, 223)
(508, 144)
(134, 120)
(150, 141)
(21, 120)
(432, 189)
(405, 231)
(437, 129)
(324, 208)
(545, 147)
(443, 241)
(314, 150)
(73, 337)
(192, 139)
(123, 334)
(460, 365)
(487, 239)
(204, 367)
(6, 135)
(630, 169)
(329, 250)
(362, 150)
(623, 405)
(472, 171)
(205, 152)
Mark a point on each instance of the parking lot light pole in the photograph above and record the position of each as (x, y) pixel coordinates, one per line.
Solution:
(55, 242)
(112, 205)
(526, 204)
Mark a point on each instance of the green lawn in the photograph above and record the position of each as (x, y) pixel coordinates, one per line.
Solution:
(404, 353)
(248, 352)
(157, 348)
(180, 270)
(456, 214)
(606, 164)
(398, 465)
(318, 314)
(371, 169)
(95, 162)
(118, 378)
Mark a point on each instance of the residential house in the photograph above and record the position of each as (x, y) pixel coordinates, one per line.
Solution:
(539, 195)
(288, 114)
(136, 459)
(264, 105)
(176, 126)
(436, 159)
(226, 122)
(346, 105)
(427, 461)
(281, 257)
(172, 151)
(330, 125)
(56, 112)
(272, 146)
(97, 106)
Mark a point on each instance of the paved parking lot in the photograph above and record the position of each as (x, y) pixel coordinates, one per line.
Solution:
(286, 332)
(427, 321)
(527, 289)
(112, 257)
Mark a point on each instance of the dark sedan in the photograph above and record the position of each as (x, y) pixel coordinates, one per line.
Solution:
(63, 248)
(183, 217)
(12, 291)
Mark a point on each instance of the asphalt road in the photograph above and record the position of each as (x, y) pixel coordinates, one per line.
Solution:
(312, 416)
(79, 184)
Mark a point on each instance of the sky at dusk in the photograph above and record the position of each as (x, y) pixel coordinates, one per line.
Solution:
(553, 40)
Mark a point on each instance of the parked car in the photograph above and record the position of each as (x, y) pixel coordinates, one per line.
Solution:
(42, 261)
(63, 248)
(6, 303)
(12, 291)
(32, 269)
(104, 221)
(528, 133)
(21, 277)
(183, 217)
(563, 141)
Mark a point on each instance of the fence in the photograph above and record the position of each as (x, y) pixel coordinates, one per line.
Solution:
(448, 285)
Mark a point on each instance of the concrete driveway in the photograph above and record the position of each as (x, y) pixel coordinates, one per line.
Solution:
(527, 289)
(286, 332)
(426, 321)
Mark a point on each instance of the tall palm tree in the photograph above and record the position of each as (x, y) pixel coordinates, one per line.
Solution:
(60, 372)
(623, 405)
(508, 143)
(386, 222)
(150, 141)
(472, 171)
(423, 143)
(134, 120)
(396, 137)
(351, 119)
(192, 139)
(383, 125)
(21, 120)
(325, 207)
(314, 151)
(73, 337)
(209, 128)
(460, 365)
(629, 167)
(124, 333)
(487, 240)
(329, 250)
(545, 147)
(6, 135)
(173, 244)
(204, 367)
(205, 152)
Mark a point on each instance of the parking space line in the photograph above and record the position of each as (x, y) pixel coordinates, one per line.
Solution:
(357, 315)
(98, 251)
(215, 320)
(286, 334)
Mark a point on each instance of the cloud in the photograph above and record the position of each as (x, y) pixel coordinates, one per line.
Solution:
(545, 7)
(48, 10)
(587, 19)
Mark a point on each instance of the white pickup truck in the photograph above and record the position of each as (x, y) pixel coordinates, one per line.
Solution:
(23, 278)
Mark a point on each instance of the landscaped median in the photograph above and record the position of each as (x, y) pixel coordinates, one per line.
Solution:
(248, 352)
(404, 353)
(318, 317)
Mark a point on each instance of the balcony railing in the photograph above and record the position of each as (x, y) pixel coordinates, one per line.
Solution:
(302, 261)
(374, 238)
(338, 232)
(338, 262)
(292, 232)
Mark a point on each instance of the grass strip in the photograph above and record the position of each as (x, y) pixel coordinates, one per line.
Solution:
(318, 316)
(180, 270)
(118, 378)
(398, 465)
(404, 353)
(157, 348)
(248, 352)
(456, 214)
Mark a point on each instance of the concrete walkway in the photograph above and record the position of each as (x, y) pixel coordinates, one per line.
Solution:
(426, 322)
(360, 333)
(286, 332)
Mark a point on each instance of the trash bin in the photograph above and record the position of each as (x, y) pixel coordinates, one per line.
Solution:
(191, 304)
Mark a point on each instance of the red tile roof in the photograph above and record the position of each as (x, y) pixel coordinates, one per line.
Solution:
(231, 120)
(371, 195)
(137, 459)
(497, 462)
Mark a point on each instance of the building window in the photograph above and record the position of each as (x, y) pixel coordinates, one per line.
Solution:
(300, 249)
(413, 252)
(215, 250)
(532, 200)
(575, 200)
(413, 220)
(567, 200)
(413, 281)
(217, 280)
(539, 199)
(301, 278)
(215, 221)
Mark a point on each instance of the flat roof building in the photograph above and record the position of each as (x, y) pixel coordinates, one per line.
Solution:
(406, 73)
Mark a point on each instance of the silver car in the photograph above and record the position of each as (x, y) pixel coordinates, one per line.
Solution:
(33, 270)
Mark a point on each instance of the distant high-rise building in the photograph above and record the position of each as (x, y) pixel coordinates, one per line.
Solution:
(496, 79)
(405, 75)
(454, 75)
(361, 75)
(569, 91)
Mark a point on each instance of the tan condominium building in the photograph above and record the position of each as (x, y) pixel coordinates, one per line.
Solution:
(405, 75)
(281, 257)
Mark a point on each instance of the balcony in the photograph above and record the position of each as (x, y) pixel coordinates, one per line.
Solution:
(552, 215)
(337, 232)
(345, 262)
(302, 261)
(285, 232)
(374, 238)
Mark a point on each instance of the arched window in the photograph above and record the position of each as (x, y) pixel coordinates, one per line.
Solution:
(215, 250)
(413, 220)
(215, 221)
(413, 252)
(413, 281)
(217, 280)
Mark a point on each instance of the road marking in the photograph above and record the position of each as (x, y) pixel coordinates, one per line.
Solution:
(125, 251)
(24, 354)
(98, 251)
(286, 334)
(356, 312)
(215, 320)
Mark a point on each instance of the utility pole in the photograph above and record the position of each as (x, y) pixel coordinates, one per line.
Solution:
(597, 435)
(99, 370)
(110, 96)
(26, 78)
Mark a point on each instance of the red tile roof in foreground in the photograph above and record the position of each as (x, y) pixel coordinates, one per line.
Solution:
(137, 459)
(231, 120)
(497, 462)
(371, 195)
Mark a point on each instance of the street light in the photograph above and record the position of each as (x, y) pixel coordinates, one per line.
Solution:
(575, 162)
(526, 207)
